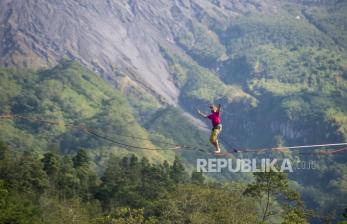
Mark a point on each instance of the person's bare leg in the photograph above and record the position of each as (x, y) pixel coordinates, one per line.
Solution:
(217, 146)
(217, 142)
(214, 140)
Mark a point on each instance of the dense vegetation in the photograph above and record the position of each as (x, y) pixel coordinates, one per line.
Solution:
(88, 184)
(280, 74)
(281, 81)
(70, 94)
(52, 188)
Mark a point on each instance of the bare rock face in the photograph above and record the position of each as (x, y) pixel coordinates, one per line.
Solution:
(104, 35)
(107, 36)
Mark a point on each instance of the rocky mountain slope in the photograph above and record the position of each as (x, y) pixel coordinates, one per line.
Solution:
(193, 52)
(107, 36)
(111, 37)
(279, 67)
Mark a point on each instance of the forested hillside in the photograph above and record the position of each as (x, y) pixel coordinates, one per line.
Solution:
(52, 188)
(70, 94)
(288, 67)
(278, 67)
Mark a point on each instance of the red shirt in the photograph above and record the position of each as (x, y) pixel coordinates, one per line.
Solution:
(215, 118)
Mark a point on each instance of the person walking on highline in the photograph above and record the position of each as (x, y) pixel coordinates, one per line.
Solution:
(216, 125)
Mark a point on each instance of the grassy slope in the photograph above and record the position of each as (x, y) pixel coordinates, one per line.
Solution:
(71, 94)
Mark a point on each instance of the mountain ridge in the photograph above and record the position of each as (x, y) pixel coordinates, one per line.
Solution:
(108, 37)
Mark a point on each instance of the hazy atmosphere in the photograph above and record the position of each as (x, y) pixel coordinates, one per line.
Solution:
(173, 111)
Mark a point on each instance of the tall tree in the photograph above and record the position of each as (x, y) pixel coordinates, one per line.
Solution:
(5, 161)
(268, 187)
(81, 159)
(29, 176)
(87, 177)
(67, 182)
(178, 173)
(51, 165)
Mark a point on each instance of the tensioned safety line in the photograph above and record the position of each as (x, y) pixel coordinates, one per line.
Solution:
(158, 141)
(297, 147)
(126, 145)
(293, 147)
(25, 117)
(326, 152)
(177, 146)
(94, 133)
(309, 146)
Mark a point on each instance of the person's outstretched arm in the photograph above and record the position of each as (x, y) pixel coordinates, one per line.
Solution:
(201, 114)
(219, 108)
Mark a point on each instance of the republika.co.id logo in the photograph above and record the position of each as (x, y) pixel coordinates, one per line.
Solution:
(215, 165)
